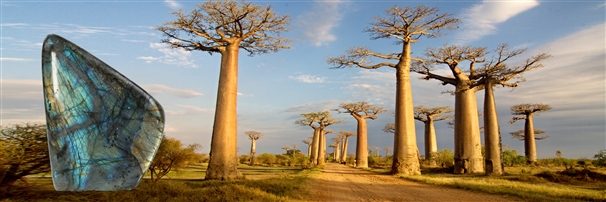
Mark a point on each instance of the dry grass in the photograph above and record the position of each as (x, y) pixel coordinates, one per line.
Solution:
(261, 184)
(529, 182)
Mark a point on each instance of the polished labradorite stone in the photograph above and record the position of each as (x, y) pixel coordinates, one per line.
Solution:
(103, 129)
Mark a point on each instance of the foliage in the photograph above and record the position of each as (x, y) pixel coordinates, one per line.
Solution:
(511, 158)
(23, 151)
(171, 155)
(445, 158)
(600, 158)
(267, 159)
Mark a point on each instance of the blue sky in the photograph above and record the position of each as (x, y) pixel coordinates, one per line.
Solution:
(275, 88)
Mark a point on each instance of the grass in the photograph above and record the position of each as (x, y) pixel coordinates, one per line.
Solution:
(261, 184)
(521, 182)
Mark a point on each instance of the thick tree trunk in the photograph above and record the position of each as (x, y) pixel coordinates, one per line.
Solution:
(309, 150)
(468, 150)
(431, 144)
(223, 154)
(338, 152)
(322, 149)
(362, 144)
(530, 145)
(405, 160)
(253, 149)
(344, 152)
(315, 146)
(492, 136)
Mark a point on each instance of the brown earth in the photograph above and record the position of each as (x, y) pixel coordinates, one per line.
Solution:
(343, 183)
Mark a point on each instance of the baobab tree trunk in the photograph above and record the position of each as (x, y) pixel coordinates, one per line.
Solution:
(322, 149)
(338, 152)
(314, 148)
(492, 136)
(309, 150)
(431, 144)
(223, 155)
(362, 144)
(468, 150)
(344, 152)
(405, 149)
(252, 152)
(529, 141)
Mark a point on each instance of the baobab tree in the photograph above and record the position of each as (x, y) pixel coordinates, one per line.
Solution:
(322, 149)
(225, 27)
(407, 25)
(294, 149)
(308, 143)
(527, 111)
(334, 150)
(253, 136)
(520, 135)
(496, 72)
(376, 150)
(318, 121)
(468, 150)
(286, 148)
(361, 111)
(390, 128)
(345, 134)
(428, 116)
(338, 140)
(387, 149)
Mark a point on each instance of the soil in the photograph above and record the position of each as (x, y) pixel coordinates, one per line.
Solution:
(343, 183)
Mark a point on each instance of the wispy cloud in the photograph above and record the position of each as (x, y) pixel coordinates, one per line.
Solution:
(14, 25)
(481, 19)
(314, 107)
(244, 95)
(308, 78)
(172, 56)
(15, 59)
(189, 111)
(182, 93)
(172, 4)
(318, 23)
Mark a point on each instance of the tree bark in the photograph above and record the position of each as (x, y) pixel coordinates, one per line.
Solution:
(344, 153)
(309, 150)
(252, 152)
(431, 144)
(338, 152)
(223, 155)
(362, 144)
(492, 136)
(529, 141)
(322, 149)
(468, 150)
(315, 146)
(405, 158)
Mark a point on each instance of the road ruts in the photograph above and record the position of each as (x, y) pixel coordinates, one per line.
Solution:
(342, 183)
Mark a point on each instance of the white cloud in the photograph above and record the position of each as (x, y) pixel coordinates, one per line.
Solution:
(318, 23)
(481, 19)
(314, 107)
(14, 25)
(172, 4)
(186, 110)
(244, 95)
(308, 79)
(182, 93)
(172, 56)
(14, 59)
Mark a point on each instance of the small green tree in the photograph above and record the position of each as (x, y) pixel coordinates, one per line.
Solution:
(445, 158)
(600, 158)
(23, 151)
(171, 155)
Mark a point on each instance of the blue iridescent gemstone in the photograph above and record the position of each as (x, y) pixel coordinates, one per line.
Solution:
(103, 129)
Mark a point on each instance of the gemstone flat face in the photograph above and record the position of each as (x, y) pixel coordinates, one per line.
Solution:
(103, 129)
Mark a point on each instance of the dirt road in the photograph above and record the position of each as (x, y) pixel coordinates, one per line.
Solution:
(342, 183)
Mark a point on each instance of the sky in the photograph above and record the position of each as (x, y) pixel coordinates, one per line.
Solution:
(275, 88)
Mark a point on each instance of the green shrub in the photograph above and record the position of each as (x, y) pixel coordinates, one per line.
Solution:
(600, 158)
(511, 158)
(445, 158)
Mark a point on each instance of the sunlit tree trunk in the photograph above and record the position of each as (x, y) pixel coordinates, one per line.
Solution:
(468, 150)
(405, 159)
(362, 144)
(344, 152)
(492, 136)
(252, 151)
(315, 147)
(431, 144)
(337, 152)
(530, 145)
(322, 149)
(223, 162)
